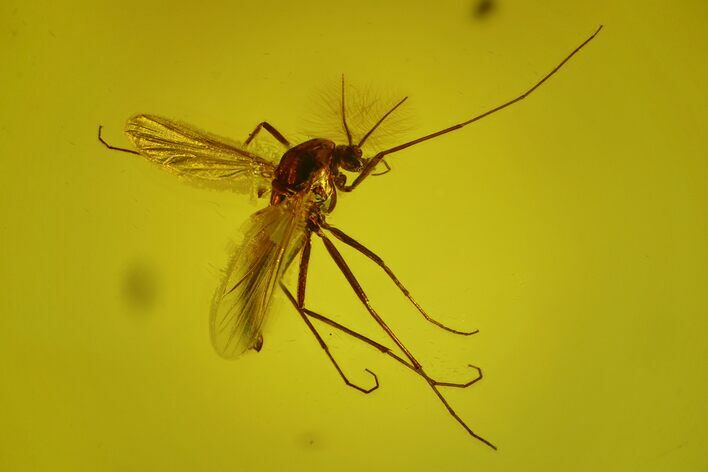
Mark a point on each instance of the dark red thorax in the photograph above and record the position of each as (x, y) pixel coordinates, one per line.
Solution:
(300, 163)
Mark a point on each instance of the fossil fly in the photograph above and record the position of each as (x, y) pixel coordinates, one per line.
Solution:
(303, 188)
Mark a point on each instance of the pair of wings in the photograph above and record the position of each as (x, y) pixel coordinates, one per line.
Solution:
(274, 236)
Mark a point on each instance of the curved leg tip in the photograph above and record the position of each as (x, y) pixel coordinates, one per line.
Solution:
(447, 328)
(488, 443)
(469, 333)
(376, 382)
(463, 384)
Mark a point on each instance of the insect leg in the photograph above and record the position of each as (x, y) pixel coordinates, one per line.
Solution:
(299, 306)
(113, 148)
(454, 414)
(383, 172)
(348, 240)
(376, 345)
(302, 272)
(324, 346)
(434, 384)
(378, 157)
(304, 261)
(274, 132)
(341, 263)
(354, 283)
(389, 352)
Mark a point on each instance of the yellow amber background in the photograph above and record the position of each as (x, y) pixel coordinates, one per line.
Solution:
(571, 229)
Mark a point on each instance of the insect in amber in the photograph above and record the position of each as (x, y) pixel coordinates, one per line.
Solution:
(303, 190)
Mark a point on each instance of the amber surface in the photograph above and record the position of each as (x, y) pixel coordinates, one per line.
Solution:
(571, 229)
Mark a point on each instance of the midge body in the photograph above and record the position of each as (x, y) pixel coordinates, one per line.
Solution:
(315, 166)
(303, 189)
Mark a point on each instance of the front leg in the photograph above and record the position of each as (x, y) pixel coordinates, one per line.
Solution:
(274, 132)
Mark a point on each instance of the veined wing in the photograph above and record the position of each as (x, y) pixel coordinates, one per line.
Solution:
(275, 236)
(198, 155)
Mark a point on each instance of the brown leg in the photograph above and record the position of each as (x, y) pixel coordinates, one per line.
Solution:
(324, 346)
(274, 132)
(454, 414)
(302, 273)
(378, 157)
(113, 148)
(302, 281)
(299, 306)
(434, 384)
(354, 283)
(346, 239)
(390, 353)
(414, 364)
(383, 172)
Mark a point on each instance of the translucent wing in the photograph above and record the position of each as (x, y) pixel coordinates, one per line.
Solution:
(240, 305)
(198, 155)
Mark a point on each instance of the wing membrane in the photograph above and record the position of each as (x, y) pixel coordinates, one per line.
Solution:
(198, 155)
(241, 303)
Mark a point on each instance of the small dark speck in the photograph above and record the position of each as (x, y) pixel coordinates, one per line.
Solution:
(140, 286)
(310, 441)
(483, 8)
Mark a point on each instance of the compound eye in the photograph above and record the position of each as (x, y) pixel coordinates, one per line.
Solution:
(351, 160)
(351, 164)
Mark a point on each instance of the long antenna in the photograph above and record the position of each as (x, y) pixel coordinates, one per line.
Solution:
(344, 116)
(373, 128)
(377, 158)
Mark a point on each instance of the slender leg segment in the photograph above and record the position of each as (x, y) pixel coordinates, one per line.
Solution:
(274, 132)
(348, 240)
(302, 273)
(378, 157)
(410, 362)
(389, 352)
(298, 304)
(302, 282)
(324, 346)
(434, 384)
(354, 283)
(383, 172)
(114, 148)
